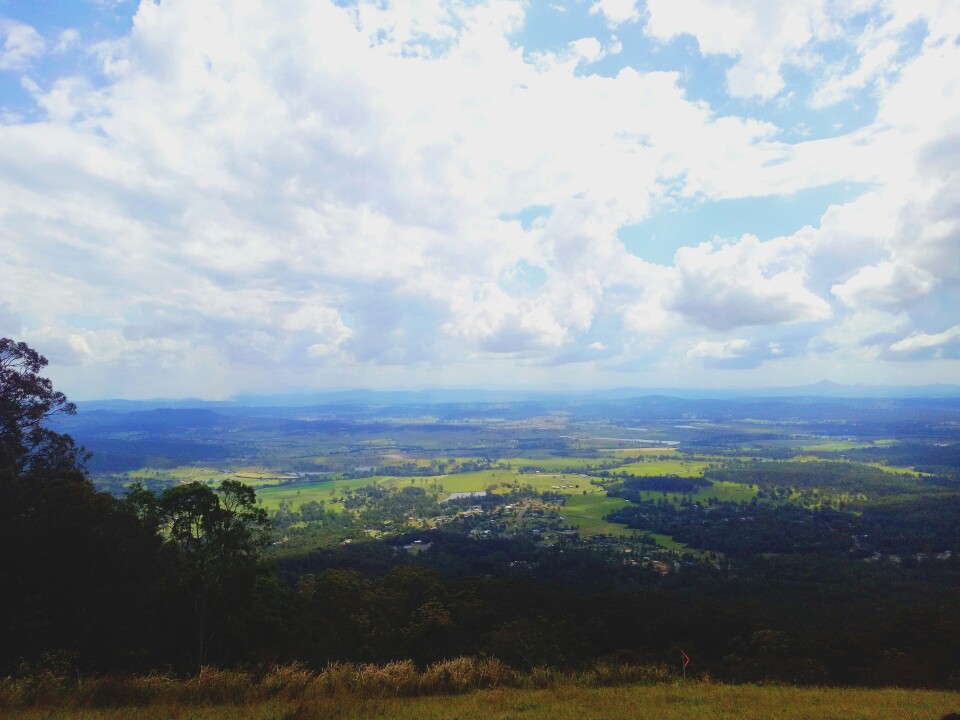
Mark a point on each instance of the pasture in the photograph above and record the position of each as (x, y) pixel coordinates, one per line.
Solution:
(633, 452)
(557, 464)
(657, 466)
(321, 491)
(722, 490)
(249, 475)
(586, 513)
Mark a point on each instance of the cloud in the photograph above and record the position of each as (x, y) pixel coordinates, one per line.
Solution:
(67, 40)
(334, 193)
(745, 353)
(745, 283)
(10, 324)
(885, 285)
(616, 12)
(588, 49)
(922, 345)
(762, 36)
(19, 45)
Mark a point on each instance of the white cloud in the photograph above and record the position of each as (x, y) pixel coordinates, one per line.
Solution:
(736, 353)
(885, 285)
(876, 59)
(616, 12)
(763, 36)
(67, 40)
(19, 45)
(718, 349)
(863, 327)
(921, 341)
(588, 49)
(745, 283)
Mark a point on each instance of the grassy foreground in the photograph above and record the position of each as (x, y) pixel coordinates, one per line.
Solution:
(691, 701)
(461, 688)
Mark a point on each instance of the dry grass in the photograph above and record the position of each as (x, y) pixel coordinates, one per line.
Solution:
(479, 688)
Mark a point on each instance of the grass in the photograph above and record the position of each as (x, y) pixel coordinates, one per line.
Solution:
(470, 688)
(253, 475)
(556, 464)
(841, 445)
(723, 490)
(633, 452)
(301, 493)
(495, 480)
(669, 543)
(478, 480)
(682, 468)
(586, 513)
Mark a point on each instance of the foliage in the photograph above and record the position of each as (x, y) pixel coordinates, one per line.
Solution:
(739, 529)
(27, 401)
(631, 486)
(844, 477)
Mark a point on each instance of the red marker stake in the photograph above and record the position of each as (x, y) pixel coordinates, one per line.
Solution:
(686, 661)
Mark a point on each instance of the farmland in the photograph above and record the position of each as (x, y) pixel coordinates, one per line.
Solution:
(526, 534)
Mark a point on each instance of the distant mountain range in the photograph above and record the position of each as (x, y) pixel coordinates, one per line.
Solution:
(433, 396)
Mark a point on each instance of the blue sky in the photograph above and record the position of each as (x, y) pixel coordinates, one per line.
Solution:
(209, 197)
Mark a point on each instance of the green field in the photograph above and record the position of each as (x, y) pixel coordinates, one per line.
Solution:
(633, 452)
(586, 513)
(841, 445)
(495, 481)
(556, 464)
(250, 475)
(669, 543)
(682, 468)
(891, 469)
(321, 491)
(722, 490)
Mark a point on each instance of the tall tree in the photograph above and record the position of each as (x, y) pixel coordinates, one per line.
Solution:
(27, 401)
(214, 542)
(74, 563)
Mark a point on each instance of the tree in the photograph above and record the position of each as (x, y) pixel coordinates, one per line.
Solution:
(214, 542)
(73, 562)
(27, 401)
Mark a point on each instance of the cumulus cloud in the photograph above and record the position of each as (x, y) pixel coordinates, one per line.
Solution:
(20, 44)
(762, 36)
(740, 353)
(616, 12)
(885, 285)
(745, 283)
(922, 345)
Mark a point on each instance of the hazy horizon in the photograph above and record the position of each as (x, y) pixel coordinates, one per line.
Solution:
(209, 198)
(825, 389)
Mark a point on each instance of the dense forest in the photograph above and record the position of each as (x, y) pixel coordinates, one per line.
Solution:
(181, 577)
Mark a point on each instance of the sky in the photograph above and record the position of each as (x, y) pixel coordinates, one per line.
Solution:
(200, 198)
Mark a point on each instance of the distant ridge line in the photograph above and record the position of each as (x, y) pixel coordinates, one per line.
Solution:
(433, 396)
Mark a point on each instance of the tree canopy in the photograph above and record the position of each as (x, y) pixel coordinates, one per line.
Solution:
(117, 582)
(27, 401)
